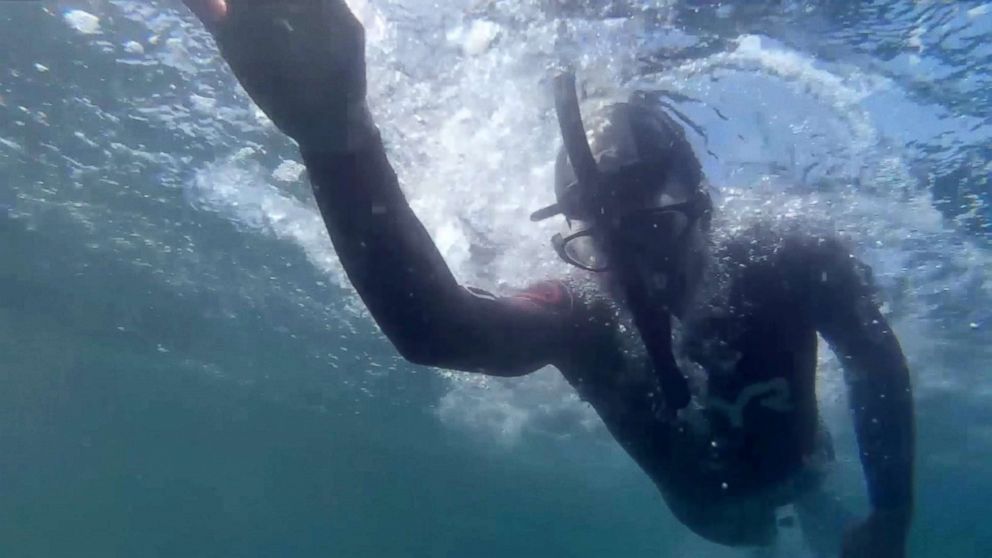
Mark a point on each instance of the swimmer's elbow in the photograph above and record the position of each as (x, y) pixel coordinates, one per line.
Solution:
(479, 334)
(419, 353)
(417, 350)
(435, 350)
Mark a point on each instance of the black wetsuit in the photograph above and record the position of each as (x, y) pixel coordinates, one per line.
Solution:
(755, 342)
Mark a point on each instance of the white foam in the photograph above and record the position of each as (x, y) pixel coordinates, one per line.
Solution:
(203, 104)
(83, 22)
(11, 145)
(476, 38)
(507, 410)
(234, 187)
(288, 171)
(133, 47)
(979, 11)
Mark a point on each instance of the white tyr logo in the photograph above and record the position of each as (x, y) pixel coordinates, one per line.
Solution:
(774, 395)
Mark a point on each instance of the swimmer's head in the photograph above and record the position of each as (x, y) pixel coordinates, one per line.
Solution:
(646, 213)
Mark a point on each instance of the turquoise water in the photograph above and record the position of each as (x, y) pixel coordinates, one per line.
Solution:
(185, 371)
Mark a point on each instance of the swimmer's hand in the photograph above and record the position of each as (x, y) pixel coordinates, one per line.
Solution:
(882, 535)
(301, 61)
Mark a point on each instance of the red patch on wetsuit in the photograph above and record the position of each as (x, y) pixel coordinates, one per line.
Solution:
(548, 293)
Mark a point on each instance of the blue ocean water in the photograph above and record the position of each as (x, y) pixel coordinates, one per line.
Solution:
(184, 370)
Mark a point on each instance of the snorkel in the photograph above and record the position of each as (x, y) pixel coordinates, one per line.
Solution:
(655, 330)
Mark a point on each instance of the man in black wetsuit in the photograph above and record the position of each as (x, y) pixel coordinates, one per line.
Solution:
(698, 354)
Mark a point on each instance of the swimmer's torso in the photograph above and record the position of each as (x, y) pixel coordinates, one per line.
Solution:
(749, 350)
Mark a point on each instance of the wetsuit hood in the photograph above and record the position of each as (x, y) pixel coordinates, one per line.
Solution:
(624, 139)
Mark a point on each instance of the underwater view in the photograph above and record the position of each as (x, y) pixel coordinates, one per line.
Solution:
(190, 368)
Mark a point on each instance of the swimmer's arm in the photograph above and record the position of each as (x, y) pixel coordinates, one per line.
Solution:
(877, 375)
(303, 63)
(410, 291)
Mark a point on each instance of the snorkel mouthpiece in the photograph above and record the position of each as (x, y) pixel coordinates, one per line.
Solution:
(655, 328)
